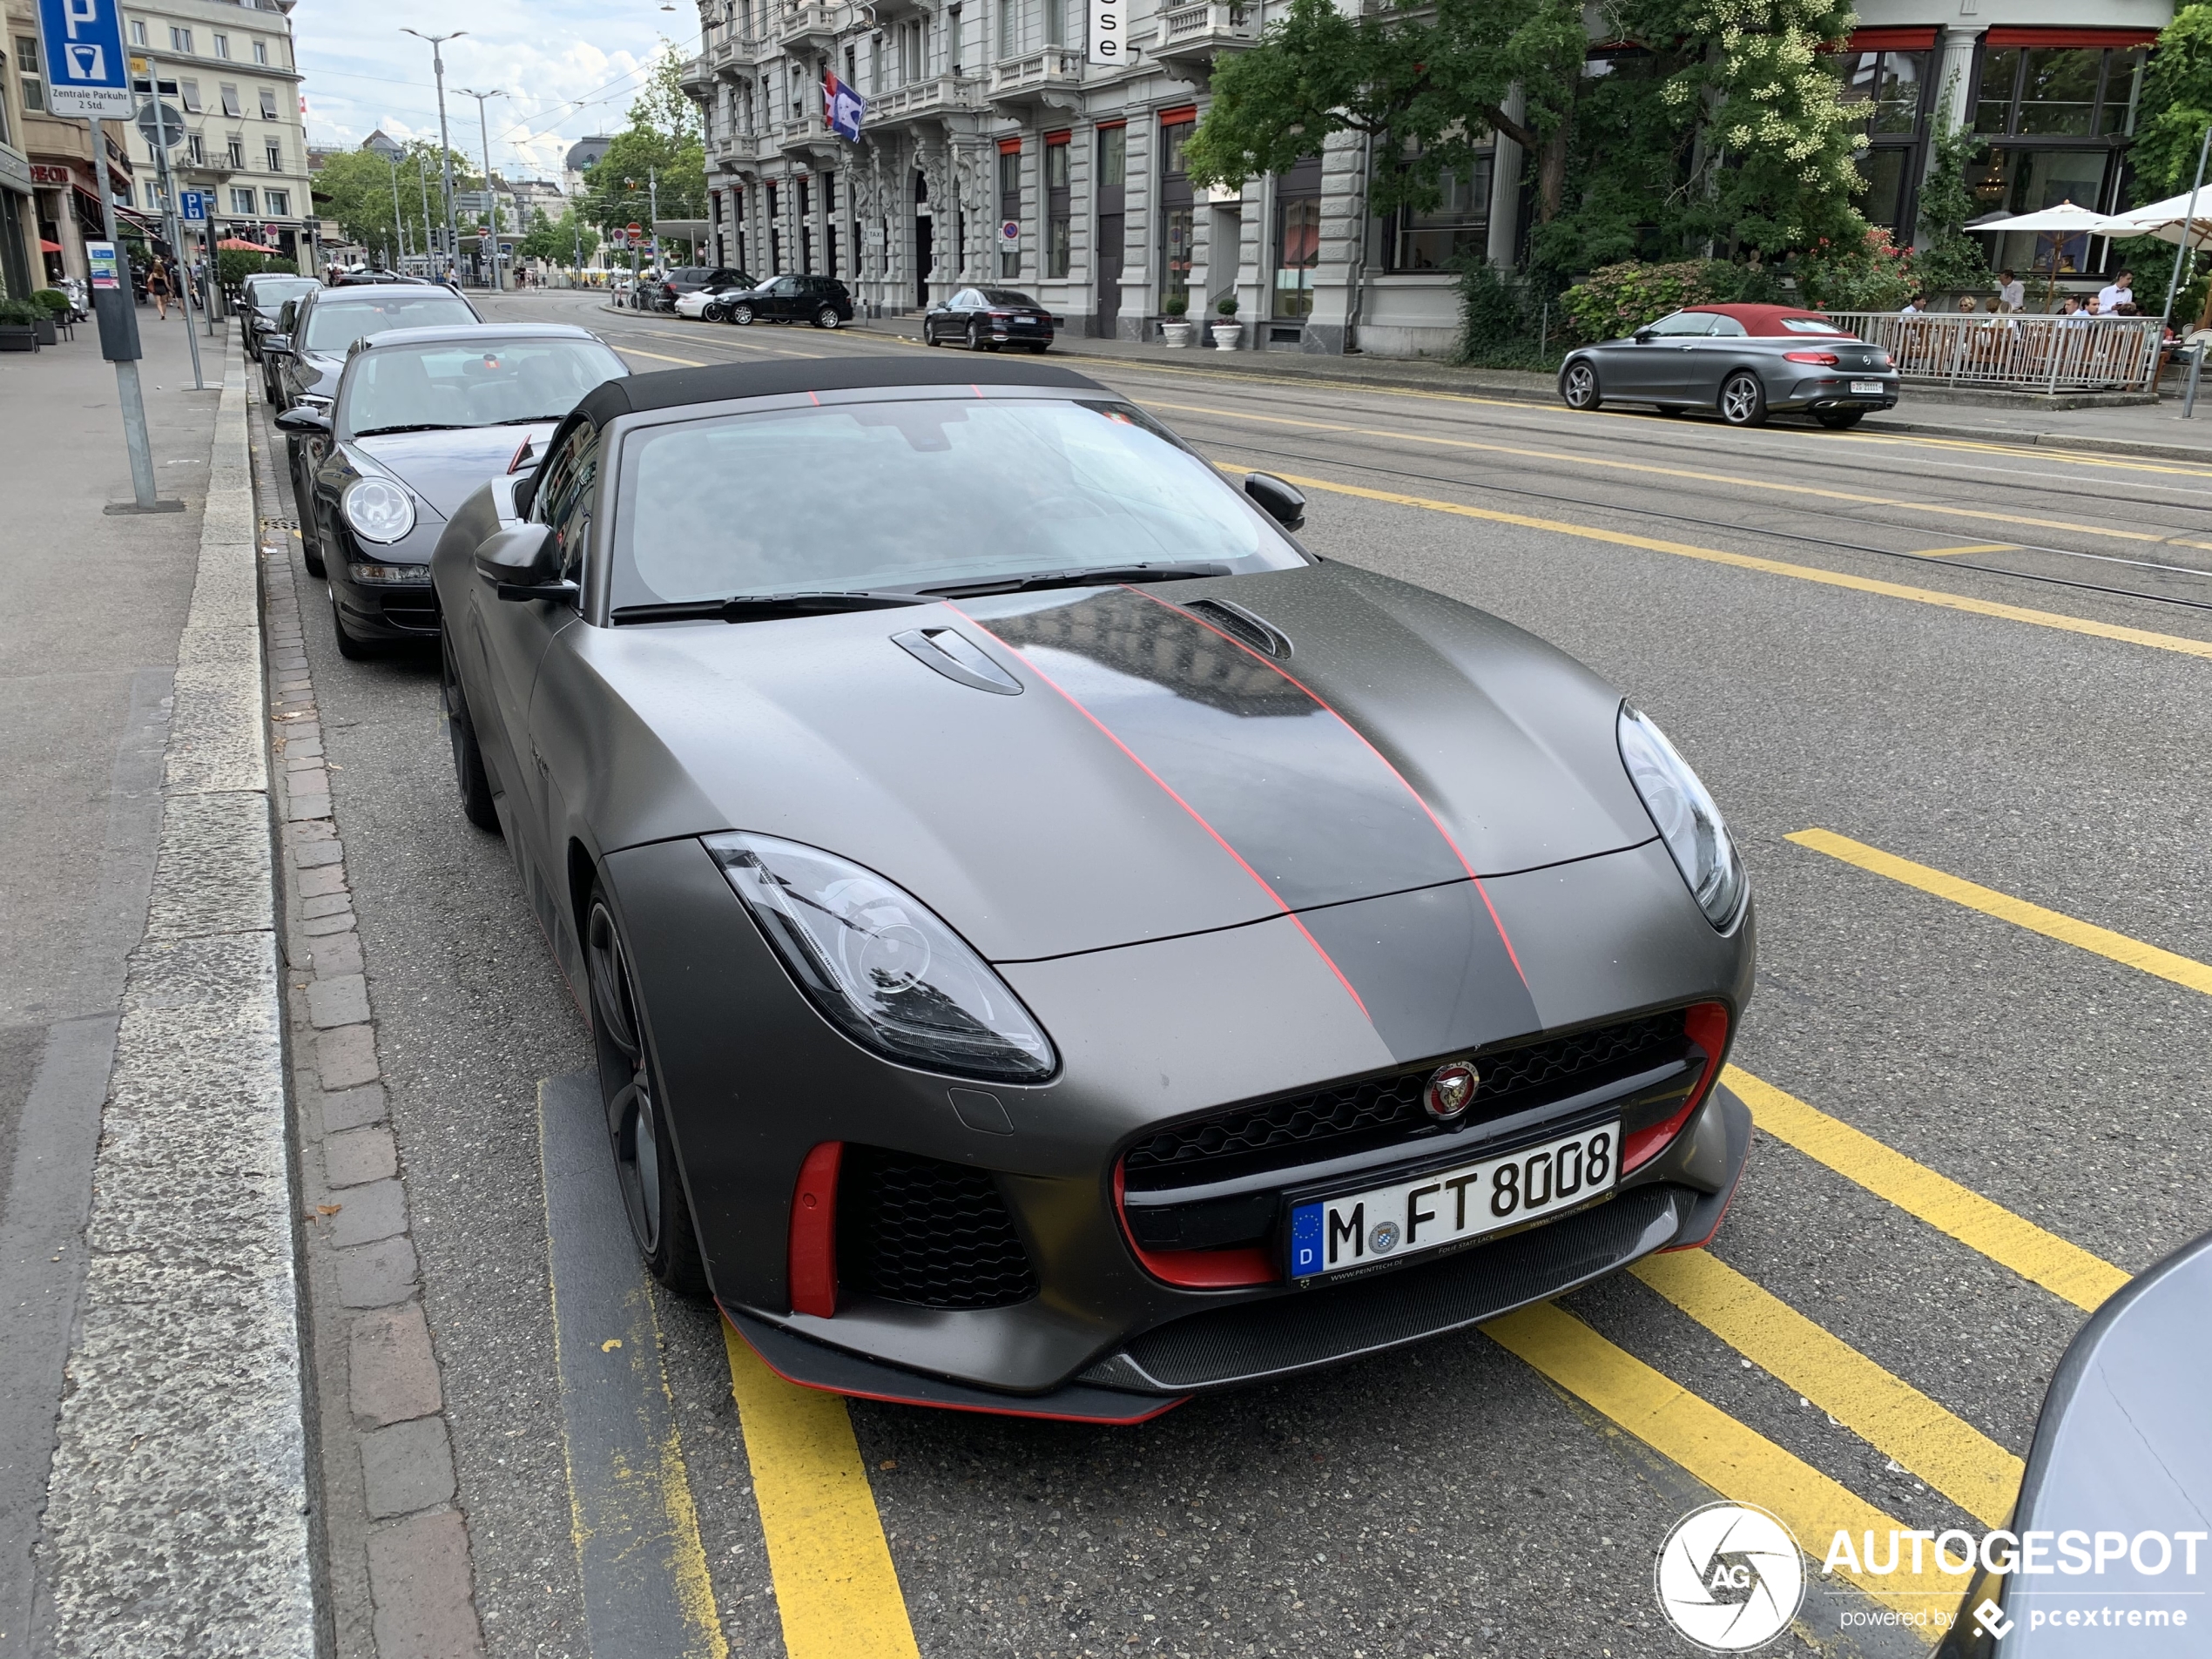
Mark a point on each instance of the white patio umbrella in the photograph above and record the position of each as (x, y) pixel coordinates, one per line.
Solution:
(2169, 221)
(2058, 223)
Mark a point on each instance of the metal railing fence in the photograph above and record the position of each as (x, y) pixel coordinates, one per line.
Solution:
(2014, 352)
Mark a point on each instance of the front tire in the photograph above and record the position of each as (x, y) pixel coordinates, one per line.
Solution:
(827, 318)
(1578, 386)
(741, 315)
(712, 313)
(311, 557)
(1839, 420)
(974, 337)
(645, 1162)
(353, 650)
(468, 769)
(1743, 400)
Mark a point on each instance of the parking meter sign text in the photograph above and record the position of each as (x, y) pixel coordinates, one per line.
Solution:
(86, 71)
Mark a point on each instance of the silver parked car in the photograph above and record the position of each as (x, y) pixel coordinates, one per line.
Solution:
(1742, 362)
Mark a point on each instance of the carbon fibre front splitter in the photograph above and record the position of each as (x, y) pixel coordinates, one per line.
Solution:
(836, 1370)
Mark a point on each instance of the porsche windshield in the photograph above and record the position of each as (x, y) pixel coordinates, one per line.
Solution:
(406, 388)
(335, 325)
(918, 493)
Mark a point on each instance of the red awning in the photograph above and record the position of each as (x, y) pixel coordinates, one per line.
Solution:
(1892, 40)
(2077, 37)
(45, 246)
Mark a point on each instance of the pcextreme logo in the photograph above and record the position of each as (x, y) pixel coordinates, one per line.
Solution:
(1730, 1577)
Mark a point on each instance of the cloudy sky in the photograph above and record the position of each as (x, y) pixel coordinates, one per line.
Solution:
(569, 68)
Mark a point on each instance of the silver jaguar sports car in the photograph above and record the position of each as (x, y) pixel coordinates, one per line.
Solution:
(1053, 944)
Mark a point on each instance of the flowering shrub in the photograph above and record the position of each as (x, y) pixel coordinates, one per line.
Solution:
(1870, 275)
(1618, 299)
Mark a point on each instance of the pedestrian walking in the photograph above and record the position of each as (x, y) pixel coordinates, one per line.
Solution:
(158, 289)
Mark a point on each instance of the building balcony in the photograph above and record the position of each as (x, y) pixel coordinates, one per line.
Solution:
(940, 95)
(695, 77)
(809, 26)
(1047, 79)
(1189, 38)
(735, 52)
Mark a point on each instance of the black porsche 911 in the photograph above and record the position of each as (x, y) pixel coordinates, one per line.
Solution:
(1054, 945)
(420, 418)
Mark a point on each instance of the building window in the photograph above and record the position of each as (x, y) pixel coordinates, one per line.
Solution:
(1897, 90)
(137, 32)
(261, 51)
(241, 201)
(1058, 205)
(1010, 28)
(188, 94)
(273, 151)
(237, 153)
(2058, 118)
(180, 39)
(222, 45)
(34, 89)
(911, 65)
(1297, 240)
(954, 41)
(1056, 22)
(1439, 237)
(2045, 92)
(195, 149)
(1113, 157)
(232, 107)
(1010, 208)
(279, 203)
(269, 103)
(1176, 215)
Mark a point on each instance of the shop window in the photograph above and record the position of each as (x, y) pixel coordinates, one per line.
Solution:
(1177, 216)
(1058, 206)
(1442, 237)
(2018, 179)
(1893, 84)
(1298, 252)
(1113, 157)
(2059, 91)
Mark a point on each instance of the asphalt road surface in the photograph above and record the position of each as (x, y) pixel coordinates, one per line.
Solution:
(1967, 798)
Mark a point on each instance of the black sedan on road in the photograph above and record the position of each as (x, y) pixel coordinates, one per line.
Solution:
(422, 417)
(1741, 362)
(822, 300)
(1052, 944)
(986, 319)
(261, 297)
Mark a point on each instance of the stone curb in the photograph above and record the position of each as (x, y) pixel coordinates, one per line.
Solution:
(180, 1507)
(396, 1547)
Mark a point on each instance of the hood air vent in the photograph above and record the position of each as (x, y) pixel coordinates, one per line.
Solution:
(1242, 626)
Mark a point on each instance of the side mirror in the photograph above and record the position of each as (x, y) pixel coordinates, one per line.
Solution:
(303, 418)
(524, 563)
(1643, 336)
(276, 344)
(1276, 499)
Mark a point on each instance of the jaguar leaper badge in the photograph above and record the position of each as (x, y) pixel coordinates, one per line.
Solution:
(1451, 1091)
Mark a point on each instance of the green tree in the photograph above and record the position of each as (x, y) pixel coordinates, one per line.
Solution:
(2176, 106)
(661, 153)
(1954, 261)
(354, 188)
(558, 241)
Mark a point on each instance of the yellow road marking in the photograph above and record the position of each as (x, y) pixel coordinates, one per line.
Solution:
(1936, 508)
(835, 1586)
(632, 351)
(2039, 452)
(1736, 1461)
(2011, 1241)
(2084, 935)
(1958, 1461)
(1774, 567)
(1971, 547)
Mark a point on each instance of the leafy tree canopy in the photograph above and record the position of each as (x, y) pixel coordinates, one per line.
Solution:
(661, 153)
(2176, 106)
(354, 187)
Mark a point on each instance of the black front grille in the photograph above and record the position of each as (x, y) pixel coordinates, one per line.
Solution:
(936, 1235)
(1352, 1118)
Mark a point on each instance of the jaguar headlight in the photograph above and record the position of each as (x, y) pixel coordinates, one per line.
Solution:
(378, 509)
(1687, 818)
(880, 966)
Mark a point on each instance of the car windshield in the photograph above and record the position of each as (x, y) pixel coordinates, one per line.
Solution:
(269, 297)
(1811, 326)
(408, 388)
(1010, 297)
(335, 327)
(928, 492)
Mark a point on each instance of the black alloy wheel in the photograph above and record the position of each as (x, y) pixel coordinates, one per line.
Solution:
(311, 556)
(975, 337)
(827, 318)
(1743, 400)
(741, 314)
(652, 1185)
(1578, 385)
(928, 332)
(468, 760)
(713, 314)
(1839, 420)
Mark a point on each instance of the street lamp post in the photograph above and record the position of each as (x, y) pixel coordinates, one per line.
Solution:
(484, 133)
(445, 144)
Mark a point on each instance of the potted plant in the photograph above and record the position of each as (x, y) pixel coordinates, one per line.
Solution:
(1228, 333)
(53, 306)
(19, 324)
(1174, 331)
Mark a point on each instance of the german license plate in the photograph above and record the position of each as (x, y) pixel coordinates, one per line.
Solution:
(1866, 388)
(1446, 1206)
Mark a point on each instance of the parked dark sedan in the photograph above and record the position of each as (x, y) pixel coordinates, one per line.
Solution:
(1052, 944)
(821, 300)
(1742, 362)
(421, 418)
(986, 319)
(301, 358)
(2106, 1553)
(261, 297)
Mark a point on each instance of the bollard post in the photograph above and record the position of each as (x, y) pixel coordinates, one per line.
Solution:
(2196, 373)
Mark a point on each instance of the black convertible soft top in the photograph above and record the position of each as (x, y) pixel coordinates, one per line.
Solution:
(672, 387)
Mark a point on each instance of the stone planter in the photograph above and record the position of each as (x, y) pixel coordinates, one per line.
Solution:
(46, 334)
(19, 336)
(1228, 336)
(1175, 333)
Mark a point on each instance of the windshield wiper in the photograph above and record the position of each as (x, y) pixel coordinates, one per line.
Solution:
(1088, 576)
(532, 420)
(753, 607)
(420, 426)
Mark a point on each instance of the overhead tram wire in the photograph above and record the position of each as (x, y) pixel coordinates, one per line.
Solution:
(1709, 523)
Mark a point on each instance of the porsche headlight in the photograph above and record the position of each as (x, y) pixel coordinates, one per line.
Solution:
(880, 965)
(378, 509)
(1688, 820)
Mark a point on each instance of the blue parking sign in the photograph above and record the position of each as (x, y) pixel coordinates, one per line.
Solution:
(86, 71)
(192, 206)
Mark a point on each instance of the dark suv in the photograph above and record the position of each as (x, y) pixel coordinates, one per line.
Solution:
(821, 300)
(661, 295)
